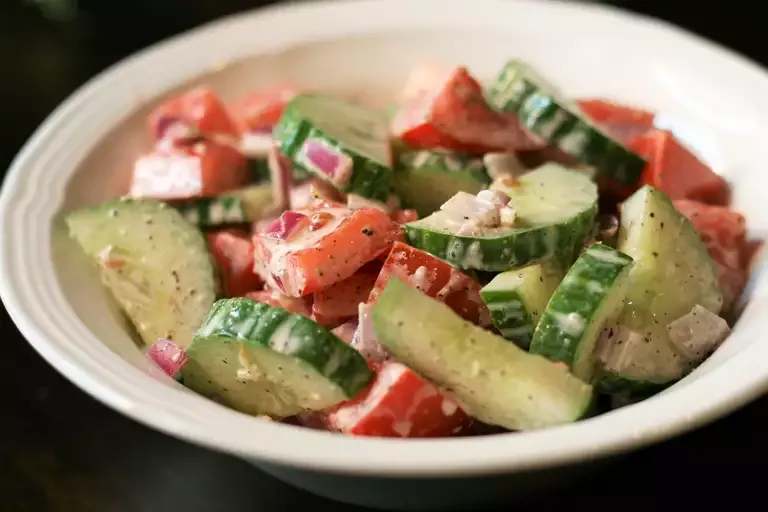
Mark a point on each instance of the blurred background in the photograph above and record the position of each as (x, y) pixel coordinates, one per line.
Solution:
(61, 451)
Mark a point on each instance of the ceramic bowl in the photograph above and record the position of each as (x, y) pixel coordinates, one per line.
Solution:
(714, 100)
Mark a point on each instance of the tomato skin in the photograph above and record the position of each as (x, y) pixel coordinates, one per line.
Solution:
(452, 113)
(199, 108)
(398, 403)
(676, 171)
(622, 121)
(724, 232)
(435, 278)
(262, 108)
(304, 268)
(233, 253)
(341, 300)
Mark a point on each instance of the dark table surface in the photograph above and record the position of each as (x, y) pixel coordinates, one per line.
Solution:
(62, 451)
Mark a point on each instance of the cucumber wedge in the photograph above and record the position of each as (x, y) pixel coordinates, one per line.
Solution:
(555, 210)
(673, 273)
(155, 264)
(517, 298)
(494, 380)
(425, 180)
(590, 294)
(520, 90)
(237, 207)
(351, 141)
(263, 360)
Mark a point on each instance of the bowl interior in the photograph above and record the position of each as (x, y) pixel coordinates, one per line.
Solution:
(716, 102)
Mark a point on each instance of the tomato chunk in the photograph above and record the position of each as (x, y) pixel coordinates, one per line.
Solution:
(435, 278)
(676, 171)
(298, 305)
(311, 249)
(199, 110)
(341, 300)
(203, 169)
(262, 107)
(453, 114)
(399, 403)
(724, 232)
(233, 254)
(623, 121)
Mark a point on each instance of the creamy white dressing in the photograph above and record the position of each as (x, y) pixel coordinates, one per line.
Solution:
(571, 324)
(167, 176)
(473, 258)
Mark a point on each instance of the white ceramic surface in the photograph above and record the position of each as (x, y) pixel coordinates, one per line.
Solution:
(714, 99)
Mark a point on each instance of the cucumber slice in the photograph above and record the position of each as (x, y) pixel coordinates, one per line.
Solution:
(555, 210)
(520, 90)
(427, 179)
(237, 207)
(155, 264)
(673, 272)
(356, 138)
(517, 298)
(264, 360)
(494, 380)
(591, 293)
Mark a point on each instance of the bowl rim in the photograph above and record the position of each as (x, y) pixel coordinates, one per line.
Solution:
(36, 304)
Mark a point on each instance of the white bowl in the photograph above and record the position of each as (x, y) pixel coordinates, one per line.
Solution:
(715, 100)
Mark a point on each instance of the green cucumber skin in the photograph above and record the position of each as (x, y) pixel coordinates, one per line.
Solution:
(516, 312)
(200, 211)
(519, 248)
(310, 342)
(426, 186)
(577, 294)
(530, 392)
(369, 178)
(560, 126)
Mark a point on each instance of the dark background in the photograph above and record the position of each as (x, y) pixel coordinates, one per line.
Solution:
(62, 451)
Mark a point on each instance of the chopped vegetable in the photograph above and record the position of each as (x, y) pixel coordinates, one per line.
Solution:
(308, 250)
(590, 294)
(436, 279)
(493, 380)
(263, 107)
(554, 212)
(154, 263)
(365, 340)
(698, 334)
(198, 111)
(233, 253)
(342, 143)
(204, 169)
(342, 299)
(454, 115)
(676, 171)
(168, 356)
(622, 121)
(398, 403)
(263, 360)
(723, 231)
(541, 107)
(517, 299)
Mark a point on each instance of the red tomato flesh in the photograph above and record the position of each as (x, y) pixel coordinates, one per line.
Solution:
(233, 254)
(435, 278)
(398, 403)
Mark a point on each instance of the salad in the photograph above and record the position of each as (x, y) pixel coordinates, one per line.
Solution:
(474, 259)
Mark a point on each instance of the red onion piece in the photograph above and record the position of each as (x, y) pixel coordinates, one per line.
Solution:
(168, 356)
(285, 225)
(346, 332)
(330, 161)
